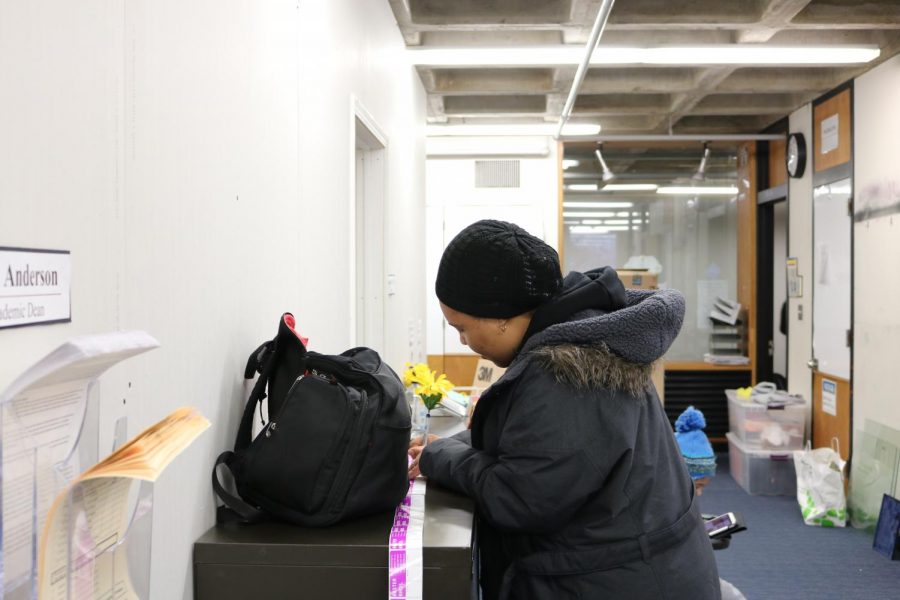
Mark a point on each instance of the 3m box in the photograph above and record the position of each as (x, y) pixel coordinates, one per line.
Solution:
(758, 426)
(761, 472)
(638, 280)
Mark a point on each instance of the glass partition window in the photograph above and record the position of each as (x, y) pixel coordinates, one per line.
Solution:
(671, 210)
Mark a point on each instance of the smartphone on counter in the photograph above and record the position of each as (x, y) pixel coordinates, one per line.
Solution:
(721, 524)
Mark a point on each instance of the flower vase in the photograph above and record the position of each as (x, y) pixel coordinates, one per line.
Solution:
(425, 432)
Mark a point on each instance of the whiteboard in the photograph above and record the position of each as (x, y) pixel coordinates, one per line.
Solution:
(832, 281)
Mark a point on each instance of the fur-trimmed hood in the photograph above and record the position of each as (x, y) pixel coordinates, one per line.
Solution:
(593, 366)
(615, 350)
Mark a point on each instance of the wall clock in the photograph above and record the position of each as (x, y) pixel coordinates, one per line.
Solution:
(795, 155)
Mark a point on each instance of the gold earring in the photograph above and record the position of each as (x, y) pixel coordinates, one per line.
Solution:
(503, 328)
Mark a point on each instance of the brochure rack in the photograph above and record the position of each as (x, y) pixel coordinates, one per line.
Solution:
(105, 553)
(49, 423)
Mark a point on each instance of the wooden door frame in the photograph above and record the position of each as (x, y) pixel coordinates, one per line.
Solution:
(822, 177)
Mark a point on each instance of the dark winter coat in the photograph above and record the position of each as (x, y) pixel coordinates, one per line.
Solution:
(580, 488)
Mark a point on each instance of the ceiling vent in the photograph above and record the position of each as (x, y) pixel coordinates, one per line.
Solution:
(496, 173)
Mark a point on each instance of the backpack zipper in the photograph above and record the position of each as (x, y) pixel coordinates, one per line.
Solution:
(342, 480)
(273, 425)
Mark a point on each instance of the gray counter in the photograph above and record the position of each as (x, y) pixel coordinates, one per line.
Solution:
(347, 560)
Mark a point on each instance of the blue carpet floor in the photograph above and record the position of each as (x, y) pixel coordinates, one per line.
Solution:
(779, 557)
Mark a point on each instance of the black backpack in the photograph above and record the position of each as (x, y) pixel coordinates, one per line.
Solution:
(335, 443)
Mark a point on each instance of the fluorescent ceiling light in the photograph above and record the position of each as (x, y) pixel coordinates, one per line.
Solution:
(572, 215)
(762, 55)
(629, 187)
(588, 229)
(511, 129)
(617, 221)
(699, 190)
(582, 187)
(598, 205)
(568, 163)
(458, 146)
(595, 228)
(713, 54)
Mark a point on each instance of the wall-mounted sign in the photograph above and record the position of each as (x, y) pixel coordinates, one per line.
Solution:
(829, 128)
(794, 279)
(35, 286)
(829, 397)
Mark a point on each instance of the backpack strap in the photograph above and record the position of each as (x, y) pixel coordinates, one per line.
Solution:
(235, 509)
(242, 441)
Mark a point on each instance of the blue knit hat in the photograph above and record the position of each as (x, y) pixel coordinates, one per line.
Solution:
(695, 446)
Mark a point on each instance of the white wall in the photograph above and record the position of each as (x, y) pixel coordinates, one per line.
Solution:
(876, 260)
(196, 159)
(453, 202)
(800, 247)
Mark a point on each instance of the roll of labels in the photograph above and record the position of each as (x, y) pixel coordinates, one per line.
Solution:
(405, 545)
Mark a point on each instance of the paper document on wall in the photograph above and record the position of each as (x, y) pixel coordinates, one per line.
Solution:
(829, 129)
(42, 413)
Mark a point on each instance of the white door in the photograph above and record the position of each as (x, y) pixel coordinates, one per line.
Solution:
(369, 238)
(832, 319)
(832, 224)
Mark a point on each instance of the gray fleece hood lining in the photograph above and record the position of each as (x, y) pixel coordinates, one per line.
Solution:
(640, 333)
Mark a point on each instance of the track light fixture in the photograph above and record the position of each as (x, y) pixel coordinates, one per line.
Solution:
(608, 175)
(700, 175)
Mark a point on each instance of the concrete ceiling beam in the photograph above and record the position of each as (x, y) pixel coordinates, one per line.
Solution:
(639, 81)
(775, 16)
(492, 81)
(782, 80)
(411, 35)
(842, 12)
(535, 104)
(493, 12)
(435, 108)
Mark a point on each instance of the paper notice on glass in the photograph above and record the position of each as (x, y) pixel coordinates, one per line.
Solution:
(829, 129)
(829, 397)
(42, 414)
(822, 265)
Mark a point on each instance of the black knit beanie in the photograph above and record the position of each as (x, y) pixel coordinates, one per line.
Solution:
(497, 270)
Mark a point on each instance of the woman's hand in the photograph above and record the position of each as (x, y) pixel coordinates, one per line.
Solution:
(418, 441)
(415, 452)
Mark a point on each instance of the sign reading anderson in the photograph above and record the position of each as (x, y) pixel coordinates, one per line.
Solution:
(35, 286)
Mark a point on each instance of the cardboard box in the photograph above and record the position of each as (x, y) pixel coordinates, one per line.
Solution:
(638, 280)
(486, 373)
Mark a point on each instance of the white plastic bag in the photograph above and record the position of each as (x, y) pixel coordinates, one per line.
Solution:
(820, 486)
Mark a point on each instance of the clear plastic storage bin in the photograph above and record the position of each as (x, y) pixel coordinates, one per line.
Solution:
(767, 428)
(762, 472)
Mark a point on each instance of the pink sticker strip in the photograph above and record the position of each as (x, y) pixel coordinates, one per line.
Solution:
(405, 545)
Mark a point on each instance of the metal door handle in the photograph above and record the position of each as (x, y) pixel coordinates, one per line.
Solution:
(813, 364)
